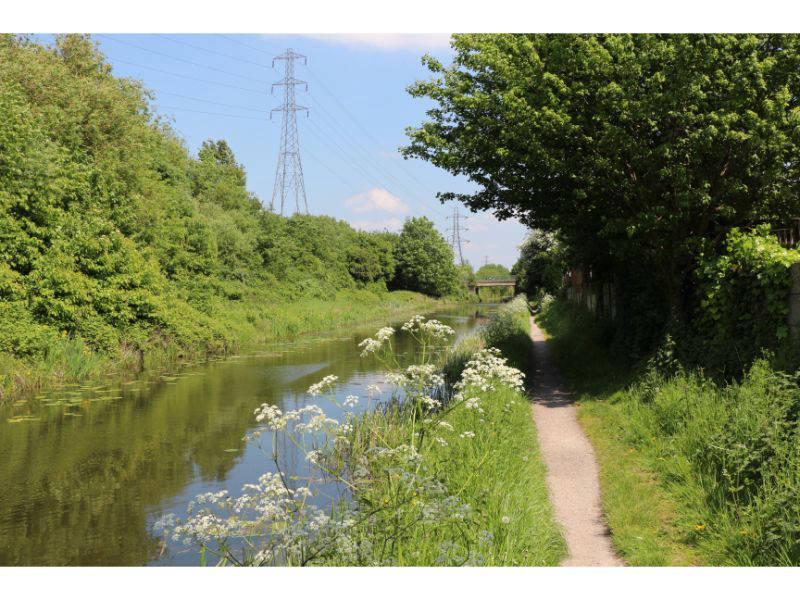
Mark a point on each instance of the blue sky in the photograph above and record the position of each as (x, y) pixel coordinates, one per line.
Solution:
(218, 86)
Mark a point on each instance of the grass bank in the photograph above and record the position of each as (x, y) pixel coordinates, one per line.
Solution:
(249, 322)
(481, 447)
(692, 471)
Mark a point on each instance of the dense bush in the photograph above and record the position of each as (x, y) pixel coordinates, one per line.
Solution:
(424, 260)
(541, 264)
(743, 300)
(112, 234)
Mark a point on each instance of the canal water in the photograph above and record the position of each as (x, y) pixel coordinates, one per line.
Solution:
(86, 470)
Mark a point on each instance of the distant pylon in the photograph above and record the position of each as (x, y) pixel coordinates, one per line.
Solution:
(455, 235)
(289, 172)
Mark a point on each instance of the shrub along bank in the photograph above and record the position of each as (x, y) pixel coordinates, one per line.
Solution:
(119, 249)
(692, 470)
(481, 445)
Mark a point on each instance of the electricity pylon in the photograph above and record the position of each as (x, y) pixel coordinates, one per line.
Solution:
(289, 173)
(455, 235)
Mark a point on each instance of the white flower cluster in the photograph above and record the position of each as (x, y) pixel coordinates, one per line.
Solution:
(413, 323)
(430, 403)
(436, 329)
(486, 368)
(350, 401)
(317, 388)
(372, 345)
(276, 420)
(473, 404)
(432, 328)
(417, 377)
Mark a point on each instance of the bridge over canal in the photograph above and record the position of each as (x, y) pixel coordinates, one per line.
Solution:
(484, 283)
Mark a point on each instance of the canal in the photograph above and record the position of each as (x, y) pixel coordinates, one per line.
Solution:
(86, 470)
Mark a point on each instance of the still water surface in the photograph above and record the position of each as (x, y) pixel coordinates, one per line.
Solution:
(85, 471)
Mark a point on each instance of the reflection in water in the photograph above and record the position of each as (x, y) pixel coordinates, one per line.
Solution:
(88, 470)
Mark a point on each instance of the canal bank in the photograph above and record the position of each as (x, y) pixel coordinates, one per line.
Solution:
(71, 361)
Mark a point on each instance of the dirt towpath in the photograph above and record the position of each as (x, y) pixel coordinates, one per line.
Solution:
(571, 466)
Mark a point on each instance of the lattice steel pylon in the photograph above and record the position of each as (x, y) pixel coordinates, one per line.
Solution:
(455, 234)
(289, 172)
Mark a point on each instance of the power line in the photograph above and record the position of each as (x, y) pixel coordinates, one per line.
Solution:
(189, 62)
(229, 56)
(367, 156)
(227, 85)
(235, 41)
(258, 110)
(352, 118)
(339, 151)
(204, 112)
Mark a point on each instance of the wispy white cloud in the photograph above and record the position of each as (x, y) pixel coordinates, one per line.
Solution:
(387, 41)
(376, 200)
(392, 224)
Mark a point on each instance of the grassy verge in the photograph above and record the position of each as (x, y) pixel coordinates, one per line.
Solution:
(692, 471)
(248, 323)
(484, 453)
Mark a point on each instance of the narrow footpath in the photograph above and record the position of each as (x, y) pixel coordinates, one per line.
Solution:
(572, 473)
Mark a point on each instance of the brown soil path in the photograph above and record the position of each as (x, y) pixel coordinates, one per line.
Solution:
(571, 466)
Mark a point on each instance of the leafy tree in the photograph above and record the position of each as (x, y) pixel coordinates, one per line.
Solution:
(541, 264)
(466, 275)
(493, 271)
(643, 151)
(424, 259)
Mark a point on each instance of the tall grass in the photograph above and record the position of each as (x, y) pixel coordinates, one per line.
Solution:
(248, 322)
(498, 472)
(508, 330)
(717, 464)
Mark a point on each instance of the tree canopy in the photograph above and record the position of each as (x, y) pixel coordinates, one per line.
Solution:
(641, 149)
(541, 264)
(492, 271)
(424, 259)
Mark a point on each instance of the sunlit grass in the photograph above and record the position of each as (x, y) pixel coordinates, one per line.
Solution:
(247, 322)
(498, 472)
(692, 471)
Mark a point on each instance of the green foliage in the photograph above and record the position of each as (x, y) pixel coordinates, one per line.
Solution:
(541, 264)
(424, 260)
(113, 235)
(466, 275)
(509, 330)
(724, 456)
(734, 448)
(642, 151)
(744, 299)
(492, 271)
